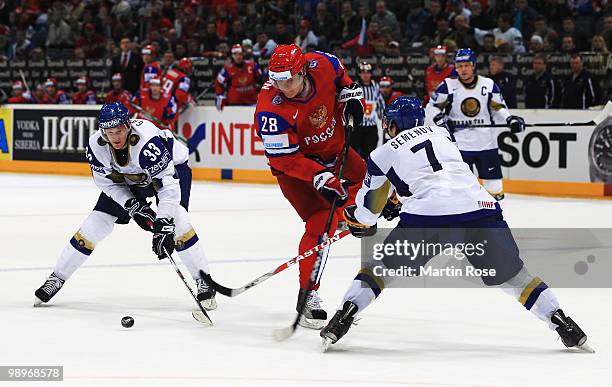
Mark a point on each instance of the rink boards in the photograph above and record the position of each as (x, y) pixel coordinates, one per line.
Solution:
(51, 139)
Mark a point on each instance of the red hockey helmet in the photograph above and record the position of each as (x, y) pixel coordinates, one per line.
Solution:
(18, 85)
(117, 77)
(82, 81)
(148, 50)
(185, 64)
(50, 82)
(440, 50)
(286, 61)
(236, 49)
(385, 81)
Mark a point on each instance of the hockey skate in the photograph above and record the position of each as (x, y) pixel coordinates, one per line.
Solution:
(338, 325)
(571, 334)
(49, 289)
(313, 316)
(206, 295)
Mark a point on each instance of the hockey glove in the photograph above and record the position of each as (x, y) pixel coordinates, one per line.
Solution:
(163, 237)
(220, 102)
(442, 120)
(358, 230)
(330, 187)
(142, 214)
(392, 208)
(516, 123)
(352, 96)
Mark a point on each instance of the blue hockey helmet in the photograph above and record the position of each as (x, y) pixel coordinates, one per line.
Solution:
(111, 116)
(406, 112)
(465, 55)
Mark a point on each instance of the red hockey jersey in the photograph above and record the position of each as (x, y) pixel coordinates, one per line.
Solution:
(88, 97)
(298, 131)
(20, 99)
(161, 111)
(58, 98)
(177, 83)
(239, 83)
(433, 77)
(123, 96)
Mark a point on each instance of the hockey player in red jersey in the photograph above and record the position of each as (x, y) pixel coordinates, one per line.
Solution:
(177, 82)
(437, 72)
(83, 96)
(20, 95)
(155, 106)
(151, 68)
(386, 89)
(300, 116)
(53, 95)
(118, 93)
(236, 83)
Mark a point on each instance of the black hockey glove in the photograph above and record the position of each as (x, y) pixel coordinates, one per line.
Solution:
(330, 187)
(163, 237)
(358, 230)
(442, 120)
(351, 96)
(392, 208)
(142, 214)
(516, 123)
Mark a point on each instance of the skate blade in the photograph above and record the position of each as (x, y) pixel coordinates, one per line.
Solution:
(585, 348)
(202, 318)
(325, 344)
(210, 304)
(311, 323)
(37, 302)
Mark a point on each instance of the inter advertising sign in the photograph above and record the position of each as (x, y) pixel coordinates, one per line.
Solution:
(51, 133)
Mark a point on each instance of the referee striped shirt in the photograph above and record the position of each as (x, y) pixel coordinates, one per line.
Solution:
(375, 103)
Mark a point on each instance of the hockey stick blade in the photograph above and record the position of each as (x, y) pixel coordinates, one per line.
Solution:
(202, 318)
(233, 292)
(283, 334)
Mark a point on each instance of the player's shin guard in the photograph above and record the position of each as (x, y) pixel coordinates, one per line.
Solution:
(494, 187)
(534, 295)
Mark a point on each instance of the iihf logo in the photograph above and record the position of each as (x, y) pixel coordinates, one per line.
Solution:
(277, 100)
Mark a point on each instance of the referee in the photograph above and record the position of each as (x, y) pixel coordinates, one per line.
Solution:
(365, 137)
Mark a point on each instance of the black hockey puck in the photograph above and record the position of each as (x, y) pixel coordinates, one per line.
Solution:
(127, 322)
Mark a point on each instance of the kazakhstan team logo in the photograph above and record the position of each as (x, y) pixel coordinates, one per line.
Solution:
(470, 107)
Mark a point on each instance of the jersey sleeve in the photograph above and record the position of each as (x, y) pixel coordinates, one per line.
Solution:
(63, 99)
(439, 103)
(91, 98)
(281, 145)
(497, 105)
(342, 77)
(156, 160)
(376, 188)
(221, 81)
(170, 111)
(118, 191)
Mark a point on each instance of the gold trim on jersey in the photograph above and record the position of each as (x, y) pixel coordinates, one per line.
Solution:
(182, 239)
(376, 199)
(529, 289)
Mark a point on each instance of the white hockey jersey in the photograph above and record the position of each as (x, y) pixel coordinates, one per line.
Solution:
(481, 104)
(151, 156)
(427, 172)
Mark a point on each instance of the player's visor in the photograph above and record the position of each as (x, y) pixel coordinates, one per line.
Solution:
(280, 76)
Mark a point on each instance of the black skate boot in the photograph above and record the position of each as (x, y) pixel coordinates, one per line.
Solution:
(49, 289)
(206, 295)
(313, 316)
(570, 332)
(338, 325)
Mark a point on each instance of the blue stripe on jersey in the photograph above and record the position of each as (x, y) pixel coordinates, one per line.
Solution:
(442, 88)
(535, 293)
(373, 169)
(401, 187)
(412, 220)
(271, 123)
(332, 59)
(496, 88)
(365, 277)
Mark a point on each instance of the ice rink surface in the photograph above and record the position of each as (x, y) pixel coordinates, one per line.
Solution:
(411, 337)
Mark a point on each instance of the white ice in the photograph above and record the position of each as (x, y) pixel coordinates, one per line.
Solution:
(413, 337)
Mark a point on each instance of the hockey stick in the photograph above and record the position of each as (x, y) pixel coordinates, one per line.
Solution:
(233, 292)
(285, 333)
(201, 315)
(605, 113)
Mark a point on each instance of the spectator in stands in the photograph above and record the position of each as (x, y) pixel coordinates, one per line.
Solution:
(53, 95)
(504, 80)
(458, 8)
(129, 64)
(536, 44)
(194, 48)
(22, 46)
(567, 45)
(83, 95)
(305, 36)
(39, 94)
(431, 22)
(264, 46)
(541, 89)
(324, 25)
(463, 35)
(386, 18)
(488, 44)
(78, 54)
(580, 90)
(415, 22)
(118, 93)
(554, 11)
(569, 29)
(542, 29)
(598, 44)
(350, 22)
(480, 19)
(180, 50)
(59, 34)
(443, 32)
(20, 95)
(4, 47)
(393, 49)
(237, 33)
(37, 55)
(507, 38)
(524, 17)
(91, 42)
(210, 39)
(283, 36)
